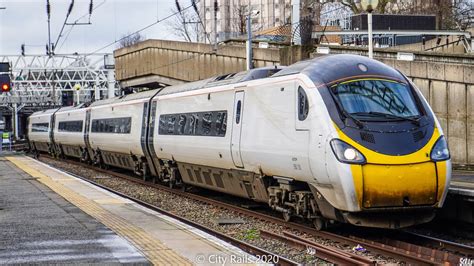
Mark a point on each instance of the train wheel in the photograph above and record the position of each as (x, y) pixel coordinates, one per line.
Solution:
(286, 216)
(320, 223)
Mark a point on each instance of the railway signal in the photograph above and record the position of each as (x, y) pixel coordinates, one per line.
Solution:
(5, 83)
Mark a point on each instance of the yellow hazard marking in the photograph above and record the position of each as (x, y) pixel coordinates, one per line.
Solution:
(155, 251)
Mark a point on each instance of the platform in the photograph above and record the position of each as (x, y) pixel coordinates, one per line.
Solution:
(462, 183)
(48, 216)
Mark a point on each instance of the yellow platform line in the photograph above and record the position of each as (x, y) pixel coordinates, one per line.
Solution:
(155, 251)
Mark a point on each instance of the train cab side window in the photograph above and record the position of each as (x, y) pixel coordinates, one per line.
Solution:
(237, 113)
(303, 105)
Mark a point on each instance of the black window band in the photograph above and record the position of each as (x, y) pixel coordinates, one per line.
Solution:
(212, 123)
(122, 125)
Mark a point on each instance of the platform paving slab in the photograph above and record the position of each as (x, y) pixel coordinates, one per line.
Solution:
(162, 240)
(39, 226)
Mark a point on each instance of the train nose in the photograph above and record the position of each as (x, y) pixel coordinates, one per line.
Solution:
(399, 185)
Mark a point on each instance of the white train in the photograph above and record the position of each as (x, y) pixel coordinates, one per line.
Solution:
(338, 138)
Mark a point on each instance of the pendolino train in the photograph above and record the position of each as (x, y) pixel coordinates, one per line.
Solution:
(338, 138)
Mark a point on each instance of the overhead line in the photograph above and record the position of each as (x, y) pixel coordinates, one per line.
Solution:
(142, 29)
(75, 21)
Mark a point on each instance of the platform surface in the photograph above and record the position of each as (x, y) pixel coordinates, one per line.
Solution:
(39, 226)
(462, 183)
(49, 216)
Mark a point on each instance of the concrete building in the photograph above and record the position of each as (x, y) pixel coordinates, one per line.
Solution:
(231, 16)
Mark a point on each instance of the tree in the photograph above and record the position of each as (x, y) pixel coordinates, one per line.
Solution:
(130, 39)
(185, 24)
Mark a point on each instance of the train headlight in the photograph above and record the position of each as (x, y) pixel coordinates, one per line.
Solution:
(440, 151)
(346, 153)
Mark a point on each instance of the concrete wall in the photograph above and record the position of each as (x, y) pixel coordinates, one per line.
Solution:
(183, 61)
(447, 82)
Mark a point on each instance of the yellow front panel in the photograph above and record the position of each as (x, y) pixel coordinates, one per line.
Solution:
(441, 171)
(388, 185)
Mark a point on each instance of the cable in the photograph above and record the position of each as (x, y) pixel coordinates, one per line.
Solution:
(77, 20)
(140, 30)
(71, 5)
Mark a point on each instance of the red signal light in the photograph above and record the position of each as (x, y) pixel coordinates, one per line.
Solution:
(5, 87)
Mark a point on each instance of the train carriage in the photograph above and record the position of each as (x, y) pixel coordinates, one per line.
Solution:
(40, 131)
(115, 128)
(338, 138)
(69, 132)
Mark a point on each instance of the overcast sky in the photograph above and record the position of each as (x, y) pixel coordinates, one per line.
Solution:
(25, 22)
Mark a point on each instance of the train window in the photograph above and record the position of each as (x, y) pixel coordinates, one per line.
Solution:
(193, 124)
(211, 123)
(206, 123)
(70, 126)
(181, 124)
(122, 125)
(171, 120)
(303, 105)
(40, 127)
(221, 123)
(237, 115)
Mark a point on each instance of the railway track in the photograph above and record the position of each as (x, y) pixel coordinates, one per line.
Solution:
(403, 251)
(254, 250)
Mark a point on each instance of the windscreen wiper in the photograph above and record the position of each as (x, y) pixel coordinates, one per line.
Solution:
(415, 121)
(344, 113)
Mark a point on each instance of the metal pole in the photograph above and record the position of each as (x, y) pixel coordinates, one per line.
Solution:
(96, 90)
(249, 43)
(15, 120)
(48, 11)
(295, 21)
(78, 101)
(215, 24)
(369, 22)
(111, 83)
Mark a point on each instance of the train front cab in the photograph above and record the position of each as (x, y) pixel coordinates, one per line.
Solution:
(389, 144)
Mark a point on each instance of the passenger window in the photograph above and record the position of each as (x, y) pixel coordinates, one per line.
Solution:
(181, 124)
(303, 106)
(237, 114)
(206, 123)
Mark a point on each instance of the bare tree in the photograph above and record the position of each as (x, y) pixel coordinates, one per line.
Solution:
(186, 24)
(130, 39)
(239, 23)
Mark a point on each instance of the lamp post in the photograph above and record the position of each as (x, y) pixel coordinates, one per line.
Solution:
(369, 6)
(249, 37)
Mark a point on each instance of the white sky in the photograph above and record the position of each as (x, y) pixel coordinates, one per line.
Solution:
(25, 21)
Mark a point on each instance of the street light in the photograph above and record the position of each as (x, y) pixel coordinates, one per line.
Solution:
(369, 6)
(249, 36)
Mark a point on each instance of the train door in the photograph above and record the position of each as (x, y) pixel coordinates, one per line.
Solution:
(237, 128)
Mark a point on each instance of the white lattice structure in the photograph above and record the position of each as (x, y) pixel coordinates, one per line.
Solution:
(39, 80)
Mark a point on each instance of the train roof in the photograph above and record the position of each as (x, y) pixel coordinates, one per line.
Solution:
(44, 112)
(226, 79)
(335, 68)
(129, 97)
